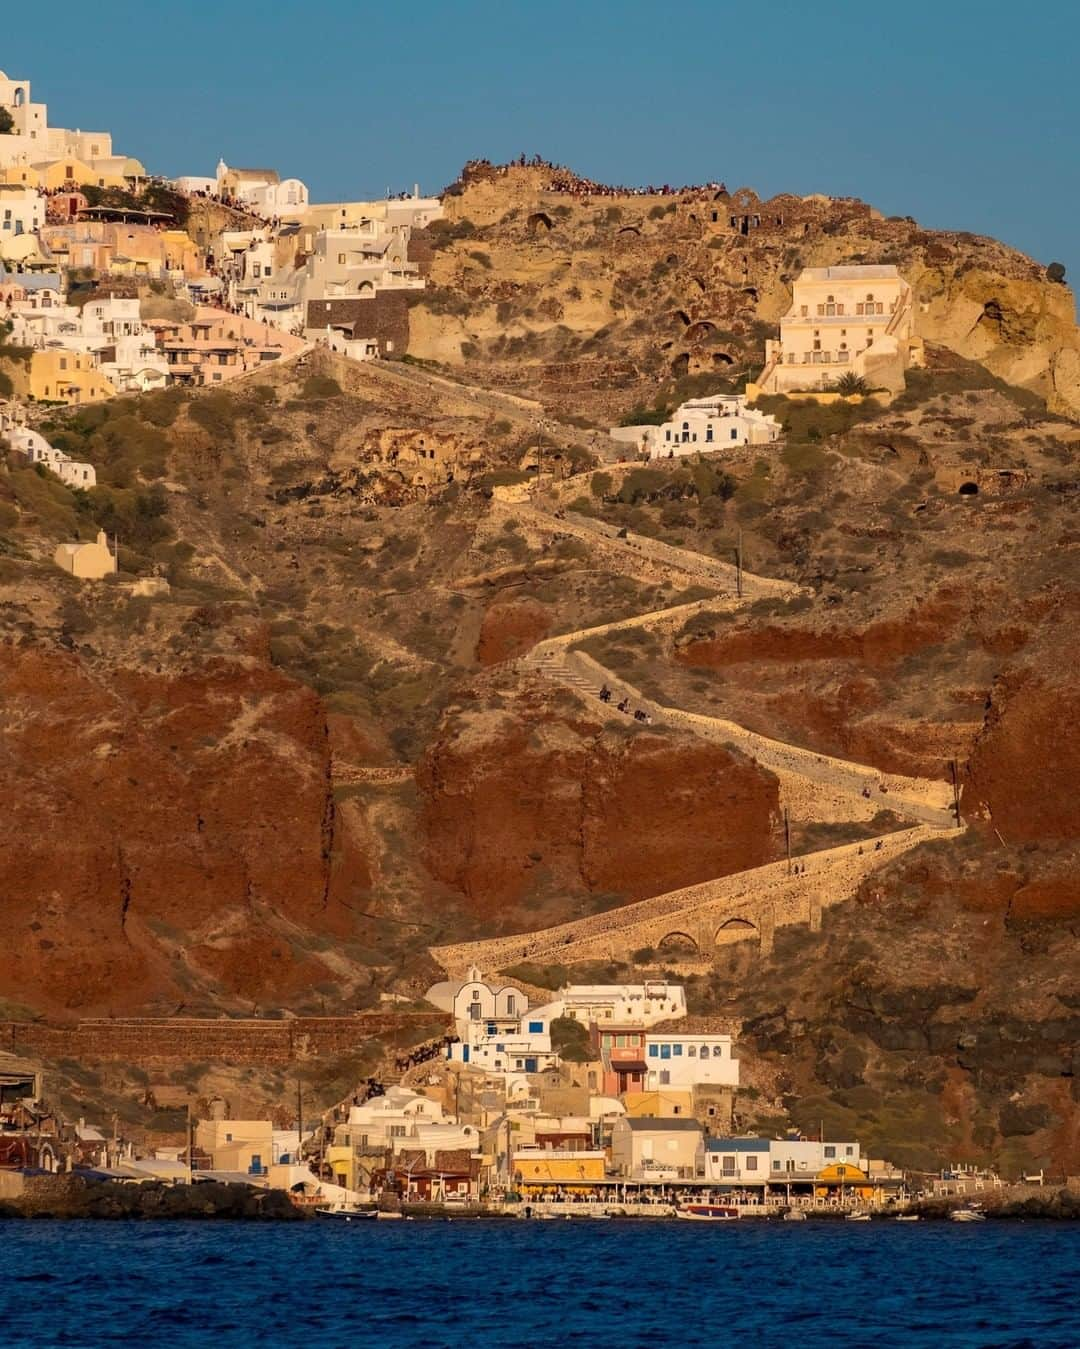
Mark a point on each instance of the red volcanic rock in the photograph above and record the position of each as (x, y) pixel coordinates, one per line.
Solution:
(158, 828)
(1025, 767)
(510, 628)
(524, 804)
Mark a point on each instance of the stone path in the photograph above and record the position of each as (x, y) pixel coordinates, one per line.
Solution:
(814, 788)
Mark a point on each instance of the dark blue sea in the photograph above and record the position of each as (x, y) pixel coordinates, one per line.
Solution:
(473, 1283)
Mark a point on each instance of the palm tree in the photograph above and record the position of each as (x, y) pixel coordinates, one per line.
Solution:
(849, 383)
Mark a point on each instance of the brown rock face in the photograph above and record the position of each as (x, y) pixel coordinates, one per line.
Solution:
(161, 831)
(1026, 765)
(523, 805)
(510, 628)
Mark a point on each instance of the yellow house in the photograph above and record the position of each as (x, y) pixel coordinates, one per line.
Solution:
(843, 1174)
(22, 174)
(86, 561)
(59, 376)
(237, 1144)
(62, 172)
(659, 1104)
(558, 1166)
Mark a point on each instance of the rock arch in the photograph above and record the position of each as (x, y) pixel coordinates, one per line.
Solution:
(722, 358)
(677, 941)
(539, 220)
(680, 366)
(696, 332)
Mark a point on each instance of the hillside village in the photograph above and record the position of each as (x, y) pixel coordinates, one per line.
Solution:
(344, 331)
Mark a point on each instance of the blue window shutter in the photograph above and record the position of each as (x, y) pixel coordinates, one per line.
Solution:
(677, 1051)
(536, 1028)
(654, 1051)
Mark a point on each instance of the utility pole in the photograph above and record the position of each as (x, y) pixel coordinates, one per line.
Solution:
(738, 565)
(787, 838)
(190, 1145)
(539, 455)
(955, 790)
(299, 1117)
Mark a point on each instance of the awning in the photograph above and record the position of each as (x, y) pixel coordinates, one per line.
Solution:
(629, 1066)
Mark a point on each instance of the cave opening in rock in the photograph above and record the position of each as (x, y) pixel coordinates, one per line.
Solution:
(969, 489)
(680, 366)
(539, 221)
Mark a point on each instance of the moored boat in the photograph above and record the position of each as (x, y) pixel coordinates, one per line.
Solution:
(707, 1213)
(346, 1212)
(857, 1217)
(967, 1215)
(907, 1218)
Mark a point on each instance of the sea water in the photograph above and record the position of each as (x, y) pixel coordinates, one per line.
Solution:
(480, 1282)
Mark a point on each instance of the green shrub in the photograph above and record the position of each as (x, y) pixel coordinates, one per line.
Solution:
(600, 484)
(321, 386)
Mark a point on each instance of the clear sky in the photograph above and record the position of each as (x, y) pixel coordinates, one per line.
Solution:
(964, 115)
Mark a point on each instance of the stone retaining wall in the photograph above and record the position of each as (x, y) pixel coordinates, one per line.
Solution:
(251, 1041)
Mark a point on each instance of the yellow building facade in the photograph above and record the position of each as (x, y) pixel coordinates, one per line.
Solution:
(62, 377)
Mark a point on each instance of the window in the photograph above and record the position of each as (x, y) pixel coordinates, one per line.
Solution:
(691, 1051)
(718, 1051)
(734, 433)
(728, 1165)
(677, 1051)
(665, 1077)
(804, 311)
(228, 1138)
(654, 1051)
(849, 1151)
(536, 1028)
(620, 1042)
(830, 1150)
(751, 1164)
(511, 1003)
(665, 1051)
(708, 433)
(776, 1164)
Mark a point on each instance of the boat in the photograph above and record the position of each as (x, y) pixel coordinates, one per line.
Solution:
(707, 1213)
(346, 1212)
(794, 1215)
(857, 1217)
(967, 1215)
(907, 1218)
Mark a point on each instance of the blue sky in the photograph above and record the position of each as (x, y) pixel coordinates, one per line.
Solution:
(962, 114)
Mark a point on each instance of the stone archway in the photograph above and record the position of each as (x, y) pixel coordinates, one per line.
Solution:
(677, 943)
(721, 358)
(733, 929)
(539, 222)
(698, 331)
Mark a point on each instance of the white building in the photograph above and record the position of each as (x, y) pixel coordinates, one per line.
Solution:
(791, 1157)
(382, 1120)
(720, 422)
(732, 1159)
(474, 999)
(35, 449)
(624, 1004)
(22, 211)
(686, 1061)
(857, 319)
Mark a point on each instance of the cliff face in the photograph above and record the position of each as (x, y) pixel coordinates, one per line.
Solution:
(162, 830)
(530, 797)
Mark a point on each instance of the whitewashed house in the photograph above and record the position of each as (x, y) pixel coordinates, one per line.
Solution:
(702, 425)
(624, 1004)
(35, 449)
(687, 1061)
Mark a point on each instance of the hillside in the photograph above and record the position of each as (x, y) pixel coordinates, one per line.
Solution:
(326, 749)
(598, 299)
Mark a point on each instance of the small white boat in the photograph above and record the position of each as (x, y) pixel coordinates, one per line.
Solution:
(967, 1215)
(794, 1215)
(707, 1213)
(857, 1218)
(907, 1218)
